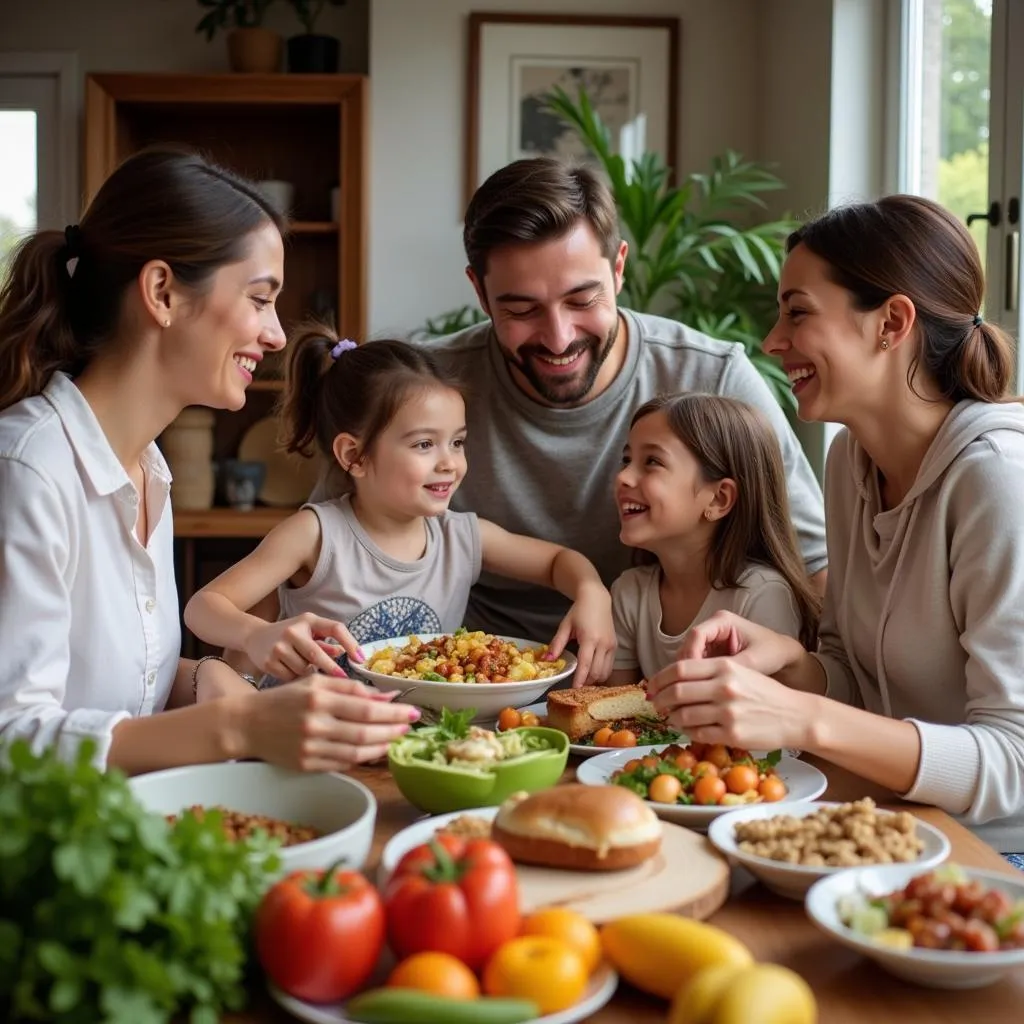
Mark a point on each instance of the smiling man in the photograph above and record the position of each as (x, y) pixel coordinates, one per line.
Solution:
(555, 376)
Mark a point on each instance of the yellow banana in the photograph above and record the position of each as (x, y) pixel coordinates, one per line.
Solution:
(661, 952)
(761, 994)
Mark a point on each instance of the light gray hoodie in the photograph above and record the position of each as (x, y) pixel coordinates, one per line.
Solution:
(924, 611)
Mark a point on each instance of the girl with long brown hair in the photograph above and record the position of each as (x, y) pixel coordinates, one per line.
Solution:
(702, 494)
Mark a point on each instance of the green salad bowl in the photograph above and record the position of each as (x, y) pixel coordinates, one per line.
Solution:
(439, 788)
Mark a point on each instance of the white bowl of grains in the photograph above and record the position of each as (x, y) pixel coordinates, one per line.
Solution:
(320, 818)
(789, 851)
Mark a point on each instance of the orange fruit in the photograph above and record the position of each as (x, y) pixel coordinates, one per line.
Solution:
(772, 788)
(509, 718)
(569, 926)
(545, 970)
(741, 778)
(439, 973)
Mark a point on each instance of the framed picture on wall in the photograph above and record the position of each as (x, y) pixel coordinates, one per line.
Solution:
(629, 68)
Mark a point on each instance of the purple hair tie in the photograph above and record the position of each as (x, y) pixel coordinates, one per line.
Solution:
(343, 346)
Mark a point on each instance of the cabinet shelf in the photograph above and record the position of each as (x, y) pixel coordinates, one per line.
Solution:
(312, 227)
(228, 522)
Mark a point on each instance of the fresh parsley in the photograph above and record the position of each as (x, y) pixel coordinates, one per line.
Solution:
(111, 915)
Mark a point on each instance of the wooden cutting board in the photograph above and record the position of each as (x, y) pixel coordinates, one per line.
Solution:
(686, 876)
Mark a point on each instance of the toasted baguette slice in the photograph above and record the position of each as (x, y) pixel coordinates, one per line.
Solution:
(580, 713)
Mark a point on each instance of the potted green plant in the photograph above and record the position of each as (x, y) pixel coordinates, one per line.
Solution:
(251, 47)
(311, 53)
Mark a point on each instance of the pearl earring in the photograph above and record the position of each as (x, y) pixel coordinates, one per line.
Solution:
(167, 323)
(885, 344)
(707, 514)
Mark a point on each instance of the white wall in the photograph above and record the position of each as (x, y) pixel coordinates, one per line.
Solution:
(417, 64)
(156, 35)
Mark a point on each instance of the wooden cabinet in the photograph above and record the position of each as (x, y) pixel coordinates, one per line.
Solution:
(308, 130)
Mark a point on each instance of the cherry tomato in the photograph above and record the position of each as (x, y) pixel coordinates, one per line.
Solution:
(718, 755)
(664, 789)
(772, 788)
(705, 768)
(529, 718)
(650, 761)
(602, 736)
(741, 778)
(631, 766)
(509, 718)
(685, 760)
(622, 738)
(708, 790)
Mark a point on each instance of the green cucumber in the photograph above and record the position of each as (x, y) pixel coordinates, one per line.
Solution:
(411, 1006)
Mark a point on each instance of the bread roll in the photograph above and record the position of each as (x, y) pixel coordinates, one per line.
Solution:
(581, 712)
(584, 828)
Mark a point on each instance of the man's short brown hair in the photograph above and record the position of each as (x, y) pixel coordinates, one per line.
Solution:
(537, 200)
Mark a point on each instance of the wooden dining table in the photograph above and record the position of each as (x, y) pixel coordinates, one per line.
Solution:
(849, 989)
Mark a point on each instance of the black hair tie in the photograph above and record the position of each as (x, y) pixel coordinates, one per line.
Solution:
(978, 321)
(73, 241)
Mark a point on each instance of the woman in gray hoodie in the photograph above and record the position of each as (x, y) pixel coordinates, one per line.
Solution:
(918, 679)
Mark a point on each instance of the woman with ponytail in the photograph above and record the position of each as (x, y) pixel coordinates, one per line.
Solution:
(918, 679)
(162, 297)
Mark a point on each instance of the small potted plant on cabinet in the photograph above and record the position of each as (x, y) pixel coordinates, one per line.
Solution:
(251, 47)
(311, 53)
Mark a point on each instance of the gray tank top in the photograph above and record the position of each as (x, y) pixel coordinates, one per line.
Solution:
(377, 596)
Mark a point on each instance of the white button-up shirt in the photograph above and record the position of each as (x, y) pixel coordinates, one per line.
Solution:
(89, 628)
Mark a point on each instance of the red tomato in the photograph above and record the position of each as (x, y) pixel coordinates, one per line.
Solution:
(455, 896)
(319, 933)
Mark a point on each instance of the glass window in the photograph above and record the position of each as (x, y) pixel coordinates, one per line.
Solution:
(945, 142)
(18, 177)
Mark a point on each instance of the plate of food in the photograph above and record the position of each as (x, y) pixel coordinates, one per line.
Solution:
(789, 848)
(597, 718)
(694, 784)
(597, 850)
(600, 988)
(951, 927)
(462, 669)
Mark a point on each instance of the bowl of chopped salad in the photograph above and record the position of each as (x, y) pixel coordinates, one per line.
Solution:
(463, 669)
(455, 765)
(951, 927)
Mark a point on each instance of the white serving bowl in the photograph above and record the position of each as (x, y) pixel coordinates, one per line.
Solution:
(933, 968)
(487, 698)
(793, 880)
(803, 782)
(341, 809)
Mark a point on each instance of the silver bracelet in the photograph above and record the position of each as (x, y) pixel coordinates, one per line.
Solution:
(251, 680)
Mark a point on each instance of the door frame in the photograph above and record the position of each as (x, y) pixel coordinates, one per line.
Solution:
(63, 67)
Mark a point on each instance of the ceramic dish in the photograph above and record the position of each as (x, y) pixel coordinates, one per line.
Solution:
(289, 479)
(340, 808)
(793, 880)
(420, 832)
(933, 968)
(580, 749)
(803, 782)
(600, 989)
(437, 788)
(486, 698)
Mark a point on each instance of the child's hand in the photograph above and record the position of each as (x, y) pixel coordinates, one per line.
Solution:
(590, 624)
(289, 648)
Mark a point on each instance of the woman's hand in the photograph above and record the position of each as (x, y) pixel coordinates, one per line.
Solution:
(727, 635)
(290, 648)
(720, 700)
(322, 724)
(588, 622)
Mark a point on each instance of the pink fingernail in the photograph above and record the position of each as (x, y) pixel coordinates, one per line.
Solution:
(340, 673)
(403, 729)
(360, 654)
(415, 714)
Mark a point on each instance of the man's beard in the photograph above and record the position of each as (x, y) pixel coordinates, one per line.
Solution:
(572, 389)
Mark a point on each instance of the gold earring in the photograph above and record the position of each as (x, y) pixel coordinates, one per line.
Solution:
(707, 514)
(885, 344)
